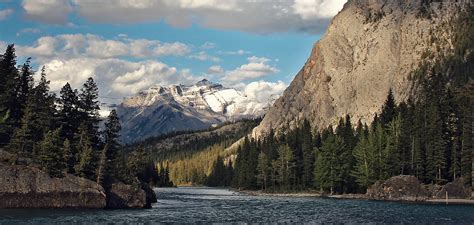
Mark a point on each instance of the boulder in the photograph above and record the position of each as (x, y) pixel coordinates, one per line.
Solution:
(29, 187)
(122, 196)
(455, 189)
(399, 188)
(150, 195)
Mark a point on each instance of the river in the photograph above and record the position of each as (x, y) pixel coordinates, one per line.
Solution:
(210, 205)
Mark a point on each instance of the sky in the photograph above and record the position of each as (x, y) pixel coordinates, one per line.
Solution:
(255, 46)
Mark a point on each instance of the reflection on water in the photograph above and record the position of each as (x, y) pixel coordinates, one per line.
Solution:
(209, 205)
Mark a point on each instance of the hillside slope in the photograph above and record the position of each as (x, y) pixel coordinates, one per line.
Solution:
(370, 47)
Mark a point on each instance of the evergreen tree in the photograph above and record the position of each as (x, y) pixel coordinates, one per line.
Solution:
(8, 73)
(89, 108)
(68, 115)
(51, 154)
(308, 154)
(111, 148)
(24, 85)
(23, 140)
(392, 149)
(68, 156)
(436, 155)
(466, 100)
(329, 169)
(42, 104)
(217, 176)
(365, 155)
(389, 110)
(285, 166)
(86, 157)
(406, 139)
(263, 170)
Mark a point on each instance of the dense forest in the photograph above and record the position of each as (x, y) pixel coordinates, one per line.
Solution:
(429, 136)
(191, 163)
(63, 134)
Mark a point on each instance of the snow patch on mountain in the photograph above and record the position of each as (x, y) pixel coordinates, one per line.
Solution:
(160, 110)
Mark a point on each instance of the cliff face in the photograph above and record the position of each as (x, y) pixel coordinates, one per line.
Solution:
(370, 47)
(29, 187)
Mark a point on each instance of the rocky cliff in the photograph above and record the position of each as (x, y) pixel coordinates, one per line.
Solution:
(30, 187)
(370, 47)
(25, 185)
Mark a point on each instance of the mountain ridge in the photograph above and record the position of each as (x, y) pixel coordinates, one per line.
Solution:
(160, 110)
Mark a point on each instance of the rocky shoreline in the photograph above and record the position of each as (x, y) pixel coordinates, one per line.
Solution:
(397, 189)
(24, 186)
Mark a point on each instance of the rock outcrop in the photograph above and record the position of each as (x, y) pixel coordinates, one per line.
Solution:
(455, 189)
(123, 196)
(370, 47)
(29, 187)
(399, 188)
(409, 188)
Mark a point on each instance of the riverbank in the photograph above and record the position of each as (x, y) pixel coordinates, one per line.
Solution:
(353, 197)
(396, 189)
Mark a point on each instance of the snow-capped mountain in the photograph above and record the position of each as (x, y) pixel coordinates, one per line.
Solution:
(161, 110)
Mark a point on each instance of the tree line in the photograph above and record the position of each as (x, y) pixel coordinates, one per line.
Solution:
(429, 142)
(429, 136)
(62, 134)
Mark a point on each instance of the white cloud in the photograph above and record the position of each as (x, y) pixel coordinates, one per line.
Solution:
(215, 70)
(28, 31)
(208, 45)
(49, 11)
(4, 13)
(256, 67)
(245, 15)
(263, 90)
(238, 52)
(80, 45)
(115, 78)
(203, 56)
(311, 9)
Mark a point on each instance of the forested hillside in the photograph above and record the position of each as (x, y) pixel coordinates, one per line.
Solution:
(188, 157)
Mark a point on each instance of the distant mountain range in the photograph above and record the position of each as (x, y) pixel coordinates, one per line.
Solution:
(160, 110)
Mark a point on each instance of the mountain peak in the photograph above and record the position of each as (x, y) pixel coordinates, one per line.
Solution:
(204, 82)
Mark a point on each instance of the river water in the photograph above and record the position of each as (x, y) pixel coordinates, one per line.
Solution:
(210, 205)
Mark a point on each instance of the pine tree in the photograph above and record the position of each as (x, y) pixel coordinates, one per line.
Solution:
(24, 85)
(329, 169)
(8, 73)
(23, 140)
(217, 176)
(263, 170)
(389, 110)
(89, 108)
(68, 156)
(111, 148)
(466, 100)
(86, 158)
(51, 154)
(365, 155)
(407, 133)
(42, 104)
(285, 165)
(68, 115)
(392, 149)
(436, 148)
(308, 154)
